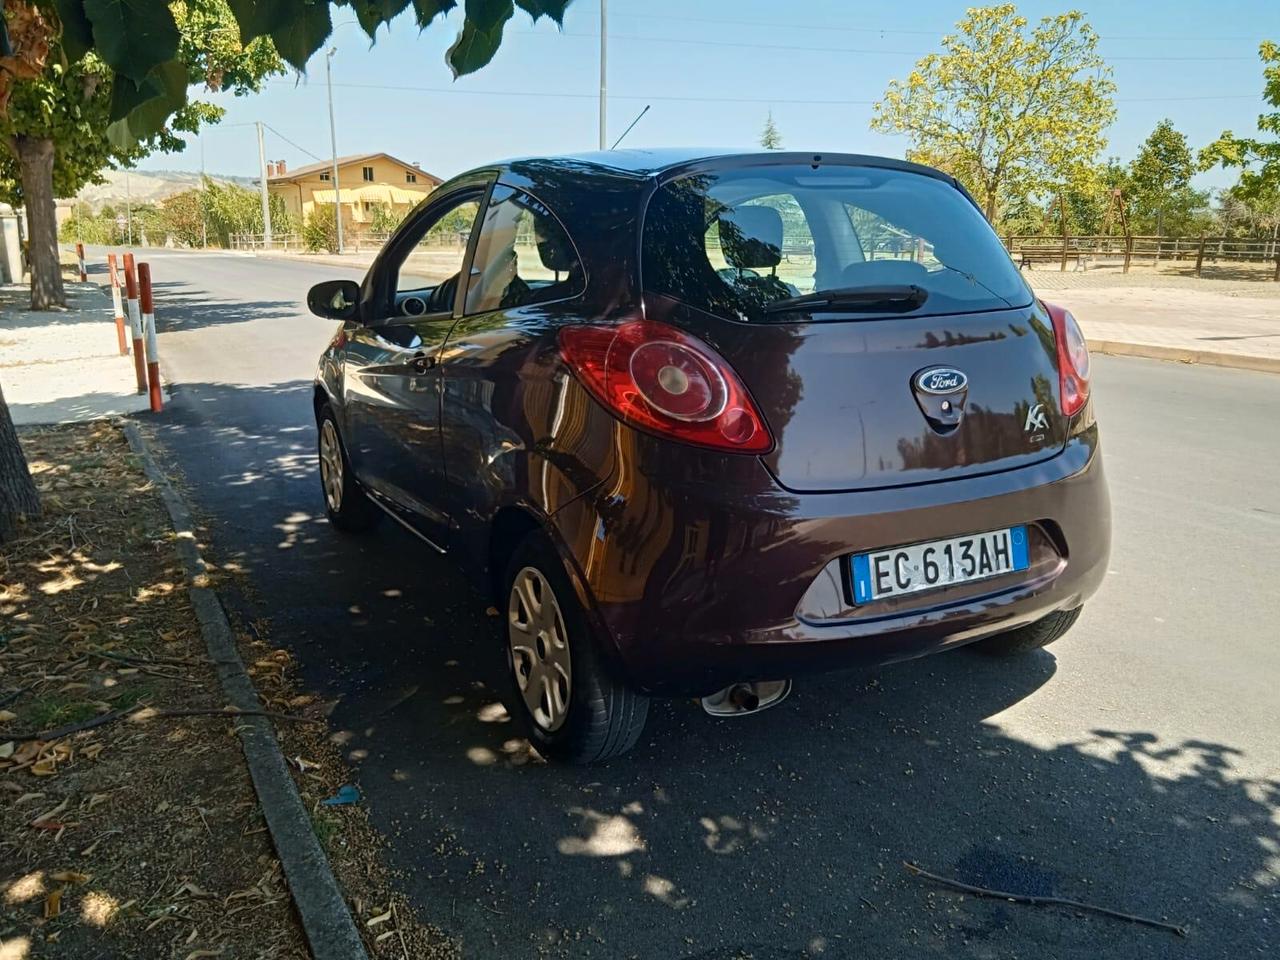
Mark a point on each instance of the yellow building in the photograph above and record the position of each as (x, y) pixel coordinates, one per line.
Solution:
(365, 182)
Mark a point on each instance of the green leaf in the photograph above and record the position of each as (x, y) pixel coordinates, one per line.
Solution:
(428, 10)
(372, 14)
(545, 8)
(259, 18)
(480, 37)
(297, 40)
(167, 83)
(132, 36)
(77, 31)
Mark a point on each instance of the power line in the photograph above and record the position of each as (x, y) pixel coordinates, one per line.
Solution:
(692, 99)
(291, 143)
(825, 28)
(801, 48)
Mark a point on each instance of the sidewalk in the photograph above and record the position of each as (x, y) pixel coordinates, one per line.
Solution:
(64, 366)
(1220, 322)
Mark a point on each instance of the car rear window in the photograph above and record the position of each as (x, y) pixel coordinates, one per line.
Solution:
(733, 242)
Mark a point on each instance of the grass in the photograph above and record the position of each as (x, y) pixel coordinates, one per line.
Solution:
(45, 713)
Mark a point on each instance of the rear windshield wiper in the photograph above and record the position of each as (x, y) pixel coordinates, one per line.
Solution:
(896, 296)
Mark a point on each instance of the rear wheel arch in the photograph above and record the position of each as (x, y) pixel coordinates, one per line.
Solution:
(510, 525)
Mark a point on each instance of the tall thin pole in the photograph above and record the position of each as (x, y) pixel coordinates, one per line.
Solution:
(128, 208)
(333, 147)
(204, 220)
(266, 202)
(604, 68)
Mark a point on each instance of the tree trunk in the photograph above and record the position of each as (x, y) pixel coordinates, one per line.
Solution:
(18, 497)
(35, 158)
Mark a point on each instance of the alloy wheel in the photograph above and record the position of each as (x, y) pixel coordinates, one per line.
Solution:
(331, 465)
(539, 648)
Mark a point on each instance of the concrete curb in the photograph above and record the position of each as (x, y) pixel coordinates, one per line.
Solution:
(325, 918)
(1238, 361)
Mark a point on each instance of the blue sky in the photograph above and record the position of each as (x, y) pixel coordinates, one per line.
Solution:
(711, 70)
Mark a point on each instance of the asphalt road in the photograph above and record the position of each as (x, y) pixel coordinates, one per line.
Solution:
(1135, 765)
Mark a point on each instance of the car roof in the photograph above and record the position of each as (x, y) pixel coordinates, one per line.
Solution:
(645, 163)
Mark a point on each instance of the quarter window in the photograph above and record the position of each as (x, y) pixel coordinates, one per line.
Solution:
(410, 178)
(523, 256)
(367, 173)
(325, 175)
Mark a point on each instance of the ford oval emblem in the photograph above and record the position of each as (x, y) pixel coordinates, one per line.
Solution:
(940, 380)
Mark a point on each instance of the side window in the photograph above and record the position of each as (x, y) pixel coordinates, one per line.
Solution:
(882, 240)
(523, 256)
(438, 254)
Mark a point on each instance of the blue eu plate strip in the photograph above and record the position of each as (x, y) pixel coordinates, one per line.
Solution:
(1018, 537)
(862, 579)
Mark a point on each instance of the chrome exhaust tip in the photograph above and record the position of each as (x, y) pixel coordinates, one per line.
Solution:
(740, 699)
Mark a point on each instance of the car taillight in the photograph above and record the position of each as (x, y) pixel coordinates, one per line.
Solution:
(1073, 359)
(666, 382)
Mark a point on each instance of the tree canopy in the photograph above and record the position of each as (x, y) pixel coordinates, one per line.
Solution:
(140, 43)
(1012, 110)
(1158, 184)
(1258, 159)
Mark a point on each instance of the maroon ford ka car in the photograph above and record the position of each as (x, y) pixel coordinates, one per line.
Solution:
(707, 422)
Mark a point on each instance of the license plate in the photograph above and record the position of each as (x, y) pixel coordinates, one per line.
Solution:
(938, 563)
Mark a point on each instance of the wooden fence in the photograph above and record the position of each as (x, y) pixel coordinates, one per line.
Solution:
(1085, 251)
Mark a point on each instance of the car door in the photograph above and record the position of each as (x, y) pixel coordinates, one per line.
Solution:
(524, 280)
(392, 378)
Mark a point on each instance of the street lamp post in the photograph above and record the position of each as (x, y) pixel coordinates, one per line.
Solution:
(604, 61)
(333, 146)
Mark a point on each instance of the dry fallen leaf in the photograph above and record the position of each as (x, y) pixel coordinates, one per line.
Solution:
(7, 716)
(6, 750)
(53, 904)
(380, 918)
(71, 876)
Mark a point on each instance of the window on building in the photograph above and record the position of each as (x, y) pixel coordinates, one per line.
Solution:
(523, 256)
(368, 173)
(410, 178)
(326, 175)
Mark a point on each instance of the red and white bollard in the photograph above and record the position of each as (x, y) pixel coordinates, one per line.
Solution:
(135, 322)
(117, 305)
(149, 327)
(80, 256)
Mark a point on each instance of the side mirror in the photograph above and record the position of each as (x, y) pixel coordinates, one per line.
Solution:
(334, 299)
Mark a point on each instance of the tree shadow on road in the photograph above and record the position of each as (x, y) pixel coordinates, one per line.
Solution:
(182, 307)
(777, 835)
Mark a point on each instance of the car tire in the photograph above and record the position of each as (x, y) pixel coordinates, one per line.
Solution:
(1033, 636)
(574, 709)
(347, 505)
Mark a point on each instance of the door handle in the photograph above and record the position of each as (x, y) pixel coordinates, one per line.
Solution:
(422, 362)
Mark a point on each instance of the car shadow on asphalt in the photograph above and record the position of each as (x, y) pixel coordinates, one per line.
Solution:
(777, 835)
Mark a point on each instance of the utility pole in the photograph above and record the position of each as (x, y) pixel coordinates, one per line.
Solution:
(204, 220)
(128, 208)
(266, 202)
(333, 146)
(604, 62)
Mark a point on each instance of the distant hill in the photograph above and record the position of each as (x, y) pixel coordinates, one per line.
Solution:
(146, 186)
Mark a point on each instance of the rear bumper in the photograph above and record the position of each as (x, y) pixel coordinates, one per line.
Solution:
(717, 589)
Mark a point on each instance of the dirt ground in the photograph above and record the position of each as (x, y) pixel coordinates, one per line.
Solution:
(129, 828)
